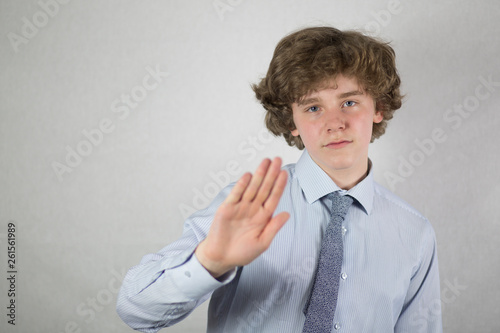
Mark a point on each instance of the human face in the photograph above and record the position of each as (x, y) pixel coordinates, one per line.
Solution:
(335, 124)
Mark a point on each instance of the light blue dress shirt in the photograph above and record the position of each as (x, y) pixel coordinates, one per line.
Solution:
(389, 280)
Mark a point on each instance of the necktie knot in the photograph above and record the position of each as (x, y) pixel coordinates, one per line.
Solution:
(340, 204)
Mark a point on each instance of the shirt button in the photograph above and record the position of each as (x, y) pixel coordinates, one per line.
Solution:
(336, 326)
(343, 276)
(343, 230)
(187, 273)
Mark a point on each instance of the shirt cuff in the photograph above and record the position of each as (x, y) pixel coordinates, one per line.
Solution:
(195, 281)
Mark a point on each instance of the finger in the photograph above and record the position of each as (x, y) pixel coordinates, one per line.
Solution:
(256, 181)
(277, 191)
(238, 189)
(272, 228)
(269, 181)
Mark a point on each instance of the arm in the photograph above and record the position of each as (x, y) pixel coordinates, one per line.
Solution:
(422, 308)
(166, 287)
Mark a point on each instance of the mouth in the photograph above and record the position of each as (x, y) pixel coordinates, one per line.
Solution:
(337, 144)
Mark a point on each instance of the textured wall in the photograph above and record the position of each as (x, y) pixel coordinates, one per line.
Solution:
(117, 118)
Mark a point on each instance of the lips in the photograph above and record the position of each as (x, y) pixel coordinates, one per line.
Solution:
(338, 144)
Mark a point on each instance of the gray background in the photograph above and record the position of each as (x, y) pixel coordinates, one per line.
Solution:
(77, 233)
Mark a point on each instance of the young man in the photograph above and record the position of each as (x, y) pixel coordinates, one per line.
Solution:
(266, 250)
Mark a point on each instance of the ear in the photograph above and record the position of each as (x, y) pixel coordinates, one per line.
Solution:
(295, 132)
(378, 117)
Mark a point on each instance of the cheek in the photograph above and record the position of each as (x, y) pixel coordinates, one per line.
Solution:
(369, 129)
(302, 126)
(307, 132)
(364, 128)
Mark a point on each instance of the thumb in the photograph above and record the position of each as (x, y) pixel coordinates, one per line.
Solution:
(273, 227)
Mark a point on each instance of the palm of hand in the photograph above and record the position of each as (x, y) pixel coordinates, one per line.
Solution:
(244, 225)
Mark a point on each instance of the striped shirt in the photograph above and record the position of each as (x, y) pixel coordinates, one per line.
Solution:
(389, 278)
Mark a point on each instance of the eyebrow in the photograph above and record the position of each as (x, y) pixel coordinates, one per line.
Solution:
(351, 93)
(313, 100)
(307, 101)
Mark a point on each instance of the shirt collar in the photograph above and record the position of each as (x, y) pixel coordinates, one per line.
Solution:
(315, 183)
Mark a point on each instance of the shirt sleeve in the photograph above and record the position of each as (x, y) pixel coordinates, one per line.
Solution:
(167, 286)
(422, 307)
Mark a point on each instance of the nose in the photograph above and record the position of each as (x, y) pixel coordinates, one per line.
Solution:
(334, 120)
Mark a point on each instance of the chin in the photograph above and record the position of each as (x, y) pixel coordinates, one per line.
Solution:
(339, 164)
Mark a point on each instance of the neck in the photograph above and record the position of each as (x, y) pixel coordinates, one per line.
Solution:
(347, 178)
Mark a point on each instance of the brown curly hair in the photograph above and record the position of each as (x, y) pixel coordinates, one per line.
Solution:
(305, 59)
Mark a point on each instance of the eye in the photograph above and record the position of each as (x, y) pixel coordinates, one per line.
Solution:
(313, 109)
(349, 103)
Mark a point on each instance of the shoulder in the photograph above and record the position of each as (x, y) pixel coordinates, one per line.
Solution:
(406, 225)
(386, 197)
(400, 212)
(292, 175)
(290, 168)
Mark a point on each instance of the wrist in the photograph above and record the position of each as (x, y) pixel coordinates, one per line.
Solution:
(216, 268)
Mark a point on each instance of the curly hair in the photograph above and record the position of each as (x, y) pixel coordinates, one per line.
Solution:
(304, 60)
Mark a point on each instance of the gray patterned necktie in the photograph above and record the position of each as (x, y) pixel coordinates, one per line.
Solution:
(320, 308)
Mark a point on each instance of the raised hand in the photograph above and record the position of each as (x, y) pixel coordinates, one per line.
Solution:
(244, 226)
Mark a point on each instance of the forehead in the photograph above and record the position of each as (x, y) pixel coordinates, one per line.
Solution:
(341, 85)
